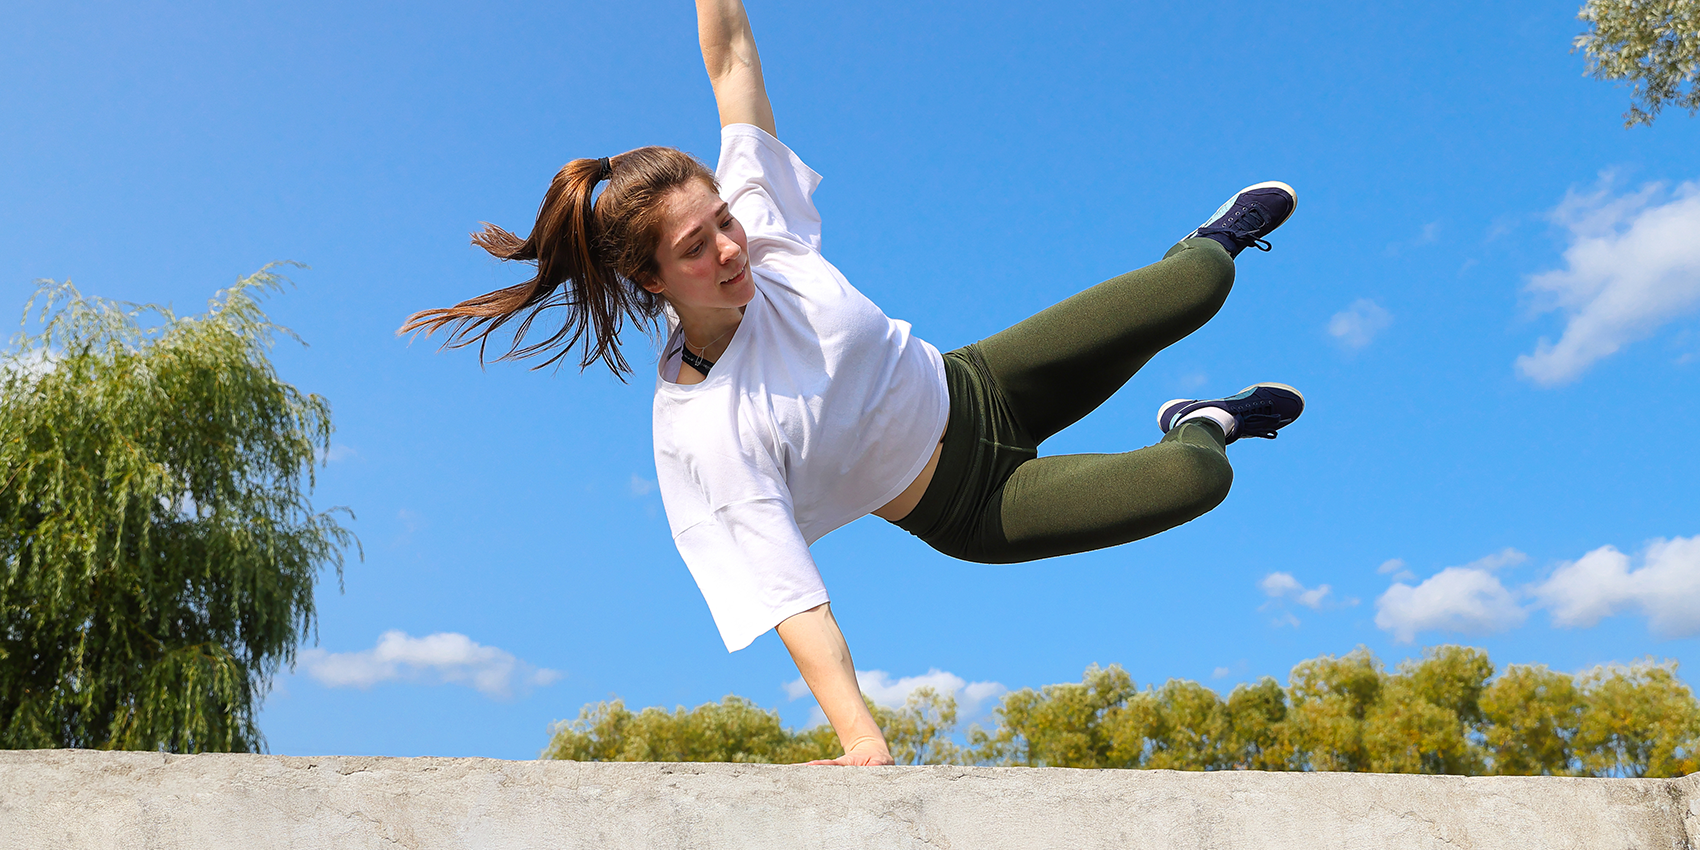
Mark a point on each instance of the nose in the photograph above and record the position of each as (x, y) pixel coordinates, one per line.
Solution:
(728, 249)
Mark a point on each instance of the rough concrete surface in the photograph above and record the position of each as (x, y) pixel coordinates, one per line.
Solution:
(53, 799)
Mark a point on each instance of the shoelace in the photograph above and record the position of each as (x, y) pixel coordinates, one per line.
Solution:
(1245, 240)
(1256, 424)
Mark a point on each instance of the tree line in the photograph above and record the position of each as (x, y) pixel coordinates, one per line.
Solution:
(1444, 713)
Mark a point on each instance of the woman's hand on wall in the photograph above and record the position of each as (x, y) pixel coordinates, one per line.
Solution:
(817, 646)
(872, 753)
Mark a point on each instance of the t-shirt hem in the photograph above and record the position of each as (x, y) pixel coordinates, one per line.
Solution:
(939, 422)
(776, 616)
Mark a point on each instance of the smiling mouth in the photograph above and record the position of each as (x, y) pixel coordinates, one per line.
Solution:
(737, 277)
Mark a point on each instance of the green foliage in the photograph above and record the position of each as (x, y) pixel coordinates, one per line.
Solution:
(1637, 721)
(158, 547)
(1424, 718)
(919, 732)
(1330, 697)
(734, 730)
(1257, 718)
(1654, 45)
(1061, 725)
(737, 730)
(1443, 713)
(1530, 717)
(1180, 726)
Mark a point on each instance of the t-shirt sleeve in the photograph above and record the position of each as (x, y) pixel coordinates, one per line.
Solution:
(770, 190)
(753, 568)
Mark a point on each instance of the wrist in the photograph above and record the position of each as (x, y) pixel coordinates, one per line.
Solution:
(867, 744)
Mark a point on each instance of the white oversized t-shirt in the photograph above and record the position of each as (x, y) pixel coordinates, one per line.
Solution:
(821, 409)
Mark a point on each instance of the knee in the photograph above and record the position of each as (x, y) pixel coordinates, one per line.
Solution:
(1209, 269)
(1201, 476)
(1216, 267)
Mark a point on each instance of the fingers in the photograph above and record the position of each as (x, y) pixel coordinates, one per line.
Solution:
(857, 760)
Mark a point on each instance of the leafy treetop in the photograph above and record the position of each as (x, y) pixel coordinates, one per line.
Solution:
(158, 551)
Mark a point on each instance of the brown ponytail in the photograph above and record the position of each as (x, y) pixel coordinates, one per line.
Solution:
(601, 250)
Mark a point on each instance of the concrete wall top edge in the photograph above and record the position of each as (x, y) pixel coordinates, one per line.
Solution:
(93, 799)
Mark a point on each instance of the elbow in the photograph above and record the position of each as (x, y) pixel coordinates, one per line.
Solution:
(726, 66)
(729, 52)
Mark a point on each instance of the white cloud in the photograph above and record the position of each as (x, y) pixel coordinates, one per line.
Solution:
(642, 486)
(445, 657)
(1467, 599)
(410, 522)
(1665, 589)
(1395, 567)
(978, 692)
(1507, 557)
(1220, 673)
(1502, 226)
(1357, 325)
(1313, 597)
(1284, 586)
(1194, 379)
(892, 693)
(1429, 234)
(338, 452)
(1633, 265)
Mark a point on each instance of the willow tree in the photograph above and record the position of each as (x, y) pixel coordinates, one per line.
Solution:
(158, 546)
(1652, 45)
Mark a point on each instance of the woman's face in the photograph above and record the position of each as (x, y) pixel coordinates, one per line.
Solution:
(703, 257)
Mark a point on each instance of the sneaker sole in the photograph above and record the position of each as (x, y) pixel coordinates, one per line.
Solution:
(1164, 408)
(1223, 209)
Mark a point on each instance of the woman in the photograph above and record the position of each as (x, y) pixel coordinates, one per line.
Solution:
(787, 404)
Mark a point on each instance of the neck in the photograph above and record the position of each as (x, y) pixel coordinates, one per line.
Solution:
(708, 332)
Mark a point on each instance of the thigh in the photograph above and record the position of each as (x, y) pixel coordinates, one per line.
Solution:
(1062, 363)
(1063, 504)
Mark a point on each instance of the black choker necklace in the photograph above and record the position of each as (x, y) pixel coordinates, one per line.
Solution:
(696, 361)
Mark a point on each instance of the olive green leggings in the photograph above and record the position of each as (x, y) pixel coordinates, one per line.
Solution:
(994, 500)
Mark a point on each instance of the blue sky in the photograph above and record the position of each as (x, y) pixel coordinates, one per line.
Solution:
(1488, 294)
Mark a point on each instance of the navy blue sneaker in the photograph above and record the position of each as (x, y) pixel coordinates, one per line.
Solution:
(1258, 410)
(1251, 214)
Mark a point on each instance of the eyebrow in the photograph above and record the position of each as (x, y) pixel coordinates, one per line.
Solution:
(718, 212)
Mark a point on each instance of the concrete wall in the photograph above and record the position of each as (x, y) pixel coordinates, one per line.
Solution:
(80, 799)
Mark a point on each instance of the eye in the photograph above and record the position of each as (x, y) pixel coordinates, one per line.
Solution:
(695, 250)
(727, 224)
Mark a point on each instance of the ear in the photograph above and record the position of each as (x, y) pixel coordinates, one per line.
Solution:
(651, 284)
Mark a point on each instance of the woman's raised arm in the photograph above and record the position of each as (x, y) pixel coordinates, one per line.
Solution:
(734, 68)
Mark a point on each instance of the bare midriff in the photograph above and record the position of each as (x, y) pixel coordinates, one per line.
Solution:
(906, 501)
